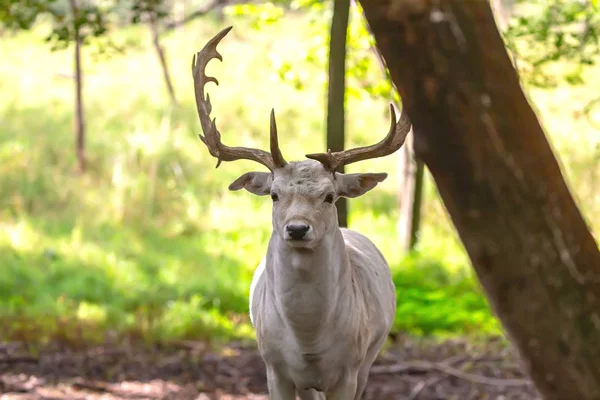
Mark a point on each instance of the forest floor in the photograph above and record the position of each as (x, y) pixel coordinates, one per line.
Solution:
(408, 369)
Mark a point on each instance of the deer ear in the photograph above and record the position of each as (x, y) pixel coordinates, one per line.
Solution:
(354, 185)
(258, 183)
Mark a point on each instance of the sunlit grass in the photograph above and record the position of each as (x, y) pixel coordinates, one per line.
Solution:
(150, 242)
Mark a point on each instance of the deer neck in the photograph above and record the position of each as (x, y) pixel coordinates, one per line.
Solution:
(308, 284)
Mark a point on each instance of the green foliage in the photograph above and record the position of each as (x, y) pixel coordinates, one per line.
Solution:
(432, 300)
(19, 14)
(261, 14)
(365, 75)
(554, 41)
(89, 19)
(135, 282)
(150, 243)
(157, 8)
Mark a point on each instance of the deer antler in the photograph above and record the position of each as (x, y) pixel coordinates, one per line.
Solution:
(212, 137)
(392, 142)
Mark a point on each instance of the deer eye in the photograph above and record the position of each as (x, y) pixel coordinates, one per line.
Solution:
(329, 198)
(274, 196)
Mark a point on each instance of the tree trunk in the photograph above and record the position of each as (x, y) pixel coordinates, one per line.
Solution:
(410, 197)
(161, 57)
(405, 194)
(337, 89)
(496, 173)
(417, 201)
(79, 116)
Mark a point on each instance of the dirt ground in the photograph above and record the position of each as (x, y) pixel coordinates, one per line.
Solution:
(408, 369)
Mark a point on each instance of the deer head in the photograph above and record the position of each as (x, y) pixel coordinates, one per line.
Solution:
(303, 192)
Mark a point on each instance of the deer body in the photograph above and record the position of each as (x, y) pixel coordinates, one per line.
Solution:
(321, 317)
(322, 300)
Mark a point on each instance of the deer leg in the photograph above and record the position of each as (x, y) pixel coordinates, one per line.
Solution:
(346, 389)
(363, 377)
(280, 387)
(310, 394)
(365, 368)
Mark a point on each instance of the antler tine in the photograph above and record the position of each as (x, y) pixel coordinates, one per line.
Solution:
(391, 143)
(278, 159)
(212, 136)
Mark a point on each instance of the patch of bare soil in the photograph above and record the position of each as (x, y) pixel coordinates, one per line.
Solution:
(190, 371)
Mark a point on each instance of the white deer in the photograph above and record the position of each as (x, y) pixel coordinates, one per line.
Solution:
(322, 300)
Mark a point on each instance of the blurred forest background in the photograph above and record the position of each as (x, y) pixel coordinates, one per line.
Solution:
(116, 224)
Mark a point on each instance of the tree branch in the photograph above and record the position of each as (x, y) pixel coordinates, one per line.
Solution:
(425, 366)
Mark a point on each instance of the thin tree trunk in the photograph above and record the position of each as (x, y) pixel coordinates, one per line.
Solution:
(405, 194)
(337, 89)
(410, 197)
(79, 115)
(162, 57)
(417, 202)
(501, 184)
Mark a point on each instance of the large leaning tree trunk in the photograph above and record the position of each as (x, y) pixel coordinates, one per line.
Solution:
(496, 173)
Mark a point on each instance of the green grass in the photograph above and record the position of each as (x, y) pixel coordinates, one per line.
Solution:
(150, 242)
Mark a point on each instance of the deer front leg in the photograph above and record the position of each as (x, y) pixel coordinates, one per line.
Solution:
(310, 394)
(363, 372)
(363, 377)
(280, 387)
(346, 389)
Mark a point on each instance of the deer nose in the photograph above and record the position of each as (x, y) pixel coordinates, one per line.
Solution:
(297, 231)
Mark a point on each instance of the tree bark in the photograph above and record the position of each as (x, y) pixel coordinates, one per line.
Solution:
(480, 139)
(79, 115)
(336, 95)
